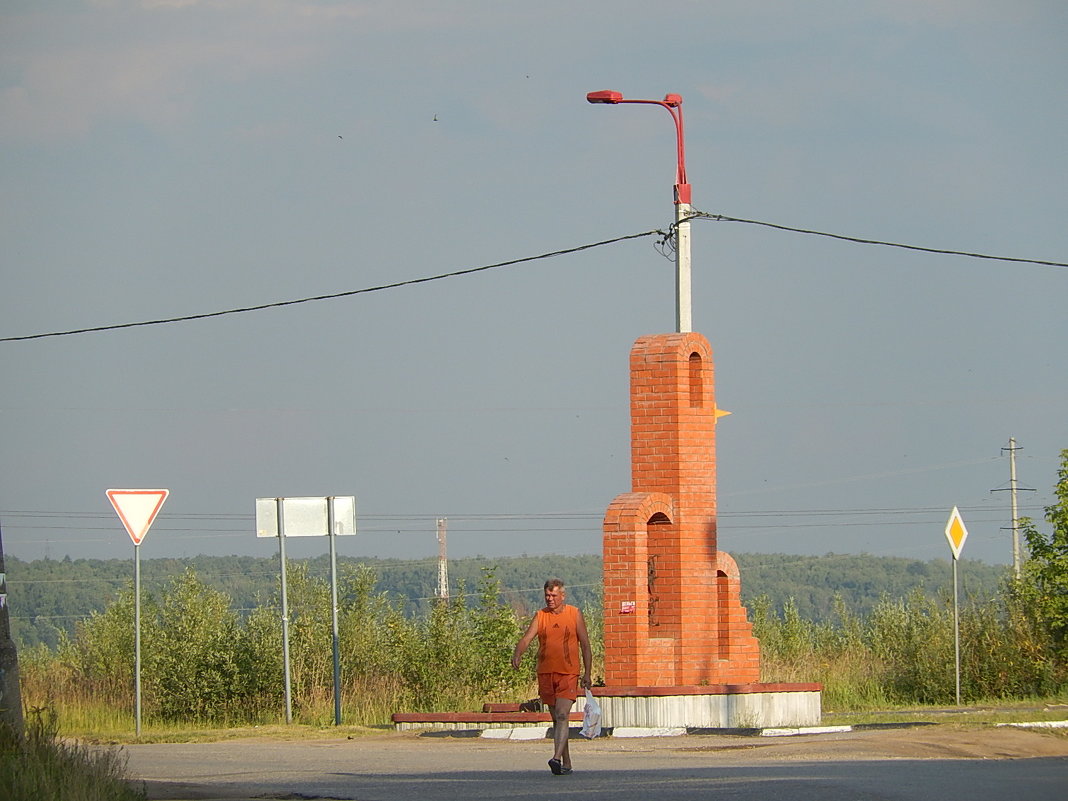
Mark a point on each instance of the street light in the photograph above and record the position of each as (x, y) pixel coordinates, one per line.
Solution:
(683, 209)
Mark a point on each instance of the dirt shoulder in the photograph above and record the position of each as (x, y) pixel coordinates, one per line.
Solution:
(911, 742)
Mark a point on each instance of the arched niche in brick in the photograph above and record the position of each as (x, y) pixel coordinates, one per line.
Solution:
(696, 381)
(657, 543)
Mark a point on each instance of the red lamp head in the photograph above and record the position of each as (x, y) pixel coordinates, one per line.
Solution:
(606, 96)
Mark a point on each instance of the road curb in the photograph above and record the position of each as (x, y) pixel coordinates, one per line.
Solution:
(540, 732)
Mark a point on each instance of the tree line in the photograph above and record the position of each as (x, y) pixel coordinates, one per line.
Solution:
(48, 597)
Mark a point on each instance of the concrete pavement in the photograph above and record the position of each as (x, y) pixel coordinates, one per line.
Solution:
(985, 765)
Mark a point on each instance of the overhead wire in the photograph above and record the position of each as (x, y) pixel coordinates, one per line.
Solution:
(703, 215)
(334, 295)
(663, 245)
(753, 522)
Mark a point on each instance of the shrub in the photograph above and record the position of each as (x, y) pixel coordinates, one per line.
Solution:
(190, 668)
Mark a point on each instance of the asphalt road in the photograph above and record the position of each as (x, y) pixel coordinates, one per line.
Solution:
(940, 763)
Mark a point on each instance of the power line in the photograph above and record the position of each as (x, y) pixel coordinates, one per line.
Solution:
(333, 295)
(702, 215)
(665, 236)
(752, 521)
(420, 518)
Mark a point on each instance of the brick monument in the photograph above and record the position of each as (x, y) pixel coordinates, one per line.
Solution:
(673, 615)
(679, 650)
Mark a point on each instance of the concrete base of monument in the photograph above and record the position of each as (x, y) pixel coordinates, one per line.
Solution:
(645, 712)
(720, 706)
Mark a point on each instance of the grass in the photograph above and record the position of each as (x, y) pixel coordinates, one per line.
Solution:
(37, 765)
(209, 734)
(855, 693)
(367, 704)
(984, 712)
(101, 723)
(876, 670)
(76, 716)
(112, 729)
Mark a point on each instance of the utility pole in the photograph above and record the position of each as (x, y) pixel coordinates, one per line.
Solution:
(1015, 509)
(10, 699)
(1013, 488)
(443, 559)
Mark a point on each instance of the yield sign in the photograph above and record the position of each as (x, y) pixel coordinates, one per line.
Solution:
(137, 509)
(956, 533)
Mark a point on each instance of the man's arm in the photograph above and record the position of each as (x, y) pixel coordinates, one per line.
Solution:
(587, 652)
(524, 642)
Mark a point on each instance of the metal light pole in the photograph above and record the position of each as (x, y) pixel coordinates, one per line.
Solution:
(683, 209)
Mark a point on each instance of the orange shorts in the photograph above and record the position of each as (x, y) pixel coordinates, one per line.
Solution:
(557, 685)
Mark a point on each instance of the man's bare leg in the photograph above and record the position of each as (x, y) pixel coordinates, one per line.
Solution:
(561, 712)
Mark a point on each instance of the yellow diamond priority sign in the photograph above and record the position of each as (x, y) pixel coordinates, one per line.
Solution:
(956, 533)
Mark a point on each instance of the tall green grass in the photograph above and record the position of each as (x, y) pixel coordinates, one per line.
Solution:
(201, 665)
(903, 653)
(205, 668)
(38, 766)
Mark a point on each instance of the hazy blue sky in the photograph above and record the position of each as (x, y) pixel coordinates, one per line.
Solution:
(165, 158)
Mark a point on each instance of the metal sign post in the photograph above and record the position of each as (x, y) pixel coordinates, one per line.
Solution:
(137, 509)
(956, 534)
(956, 630)
(332, 528)
(137, 639)
(280, 517)
(308, 517)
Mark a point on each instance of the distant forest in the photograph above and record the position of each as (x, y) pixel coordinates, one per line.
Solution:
(48, 597)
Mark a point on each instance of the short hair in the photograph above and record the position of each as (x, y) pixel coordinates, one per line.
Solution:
(554, 582)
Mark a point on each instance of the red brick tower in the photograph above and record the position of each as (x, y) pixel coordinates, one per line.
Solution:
(673, 616)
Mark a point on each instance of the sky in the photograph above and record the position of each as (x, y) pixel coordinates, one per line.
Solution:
(170, 158)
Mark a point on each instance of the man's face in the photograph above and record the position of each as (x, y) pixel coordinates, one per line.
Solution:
(554, 598)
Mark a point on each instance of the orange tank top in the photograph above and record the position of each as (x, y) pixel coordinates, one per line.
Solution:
(558, 646)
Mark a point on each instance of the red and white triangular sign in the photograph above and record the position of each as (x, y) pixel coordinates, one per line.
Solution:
(137, 509)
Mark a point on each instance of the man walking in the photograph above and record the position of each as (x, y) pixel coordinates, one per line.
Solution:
(561, 632)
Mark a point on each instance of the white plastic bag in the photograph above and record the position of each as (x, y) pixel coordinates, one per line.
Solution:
(591, 717)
